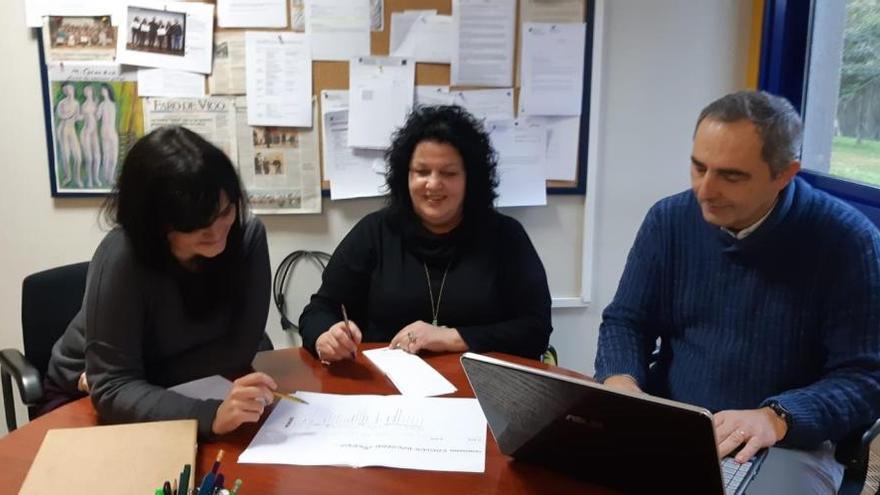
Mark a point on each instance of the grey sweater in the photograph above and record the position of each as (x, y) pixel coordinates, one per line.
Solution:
(134, 336)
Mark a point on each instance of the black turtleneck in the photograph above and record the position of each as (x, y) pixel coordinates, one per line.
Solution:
(495, 294)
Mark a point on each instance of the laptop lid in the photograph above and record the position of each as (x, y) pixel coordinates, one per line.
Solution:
(628, 441)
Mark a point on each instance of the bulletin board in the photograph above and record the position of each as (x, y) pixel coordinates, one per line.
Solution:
(331, 75)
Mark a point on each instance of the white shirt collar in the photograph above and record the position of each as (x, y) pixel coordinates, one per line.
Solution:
(742, 234)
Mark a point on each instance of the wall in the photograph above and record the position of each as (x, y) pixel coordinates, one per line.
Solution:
(663, 62)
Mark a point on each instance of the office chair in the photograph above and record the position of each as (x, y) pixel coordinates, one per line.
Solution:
(49, 300)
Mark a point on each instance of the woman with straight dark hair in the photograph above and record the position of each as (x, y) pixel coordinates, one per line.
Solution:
(177, 291)
(438, 269)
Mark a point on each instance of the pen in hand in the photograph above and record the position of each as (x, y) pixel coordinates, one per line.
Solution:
(291, 398)
(348, 328)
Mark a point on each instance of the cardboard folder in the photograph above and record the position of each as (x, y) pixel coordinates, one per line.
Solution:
(133, 458)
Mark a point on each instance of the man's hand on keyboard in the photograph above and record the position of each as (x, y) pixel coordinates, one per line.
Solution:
(753, 428)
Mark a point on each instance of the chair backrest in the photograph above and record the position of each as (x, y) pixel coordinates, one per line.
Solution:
(49, 300)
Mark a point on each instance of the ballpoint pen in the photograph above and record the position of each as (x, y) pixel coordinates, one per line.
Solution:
(348, 328)
(291, 398)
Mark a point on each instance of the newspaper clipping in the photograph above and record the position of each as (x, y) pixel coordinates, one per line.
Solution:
(212, 118)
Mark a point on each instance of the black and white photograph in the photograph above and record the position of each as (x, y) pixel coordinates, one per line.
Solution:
(269, 163)
(156, 31)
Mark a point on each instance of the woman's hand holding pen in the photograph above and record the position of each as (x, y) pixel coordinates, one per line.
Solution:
(421, 335)
(245, 402)
(339, 342)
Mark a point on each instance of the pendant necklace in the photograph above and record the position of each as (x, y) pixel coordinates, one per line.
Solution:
(435, 308)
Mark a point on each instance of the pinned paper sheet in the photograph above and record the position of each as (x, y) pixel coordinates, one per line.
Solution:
(170, 83)
(522, 152)
(339, 29)
(352, 170)
(433, 95)
(172, 35)
(552, 69)
(483, 42)
(410, 373)
(422, 35)
(252, 13)
(279, 79)
(381, 91)
(488, 104)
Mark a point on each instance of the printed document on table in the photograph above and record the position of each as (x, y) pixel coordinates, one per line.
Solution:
(213, 118)
(380, 95)
(422, 36)
(552, 69)
(551, 10)
(353, 170)
(428, 433)
(228, 76)
(563, 138)
(410, 373)
(252, 13)
(210, 387)
(488, 104)
(483, 33)
(339, 29)
(433, 95)
(179, 35)
(521, 163)
(279, 79)
(170, 83)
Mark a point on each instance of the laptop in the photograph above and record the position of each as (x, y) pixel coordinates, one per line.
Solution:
(629, 441)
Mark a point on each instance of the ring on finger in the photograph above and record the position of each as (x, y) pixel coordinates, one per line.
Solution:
(742, 434)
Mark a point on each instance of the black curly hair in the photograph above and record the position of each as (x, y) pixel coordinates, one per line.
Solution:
(448, 124)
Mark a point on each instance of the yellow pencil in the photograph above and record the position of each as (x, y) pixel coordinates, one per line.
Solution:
(291, 398)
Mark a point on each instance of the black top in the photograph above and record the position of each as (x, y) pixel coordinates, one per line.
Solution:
(134, 335)
(495, 294)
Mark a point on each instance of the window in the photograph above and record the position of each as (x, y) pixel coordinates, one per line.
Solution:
(842, 91)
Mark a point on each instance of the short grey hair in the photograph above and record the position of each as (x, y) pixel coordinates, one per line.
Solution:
(776, 120)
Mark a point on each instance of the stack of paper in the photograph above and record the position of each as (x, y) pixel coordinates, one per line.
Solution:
(410, 373)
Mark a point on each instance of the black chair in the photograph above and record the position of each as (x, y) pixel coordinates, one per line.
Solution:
(853, 452)
(49, 300)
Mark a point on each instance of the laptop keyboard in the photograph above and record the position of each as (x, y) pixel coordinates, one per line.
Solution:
(733, 474)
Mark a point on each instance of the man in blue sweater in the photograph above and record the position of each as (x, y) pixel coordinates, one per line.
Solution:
(764, 295)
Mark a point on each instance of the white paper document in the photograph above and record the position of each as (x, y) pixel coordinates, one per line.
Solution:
(434, 434)
(380, 96)
(421, 35)
(252, 13)
(433, 95)
(279, 79)
(552, 69)
(488, 104)
(483, 42)
(409, 373)
(170, 83)
(521, 163)
(228, 76)
(169, 35)
(563, 138)
(352, 171)
(331, 100)
(210, 387)
(339, 29)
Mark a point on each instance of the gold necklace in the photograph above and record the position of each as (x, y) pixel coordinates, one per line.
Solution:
(435, 309)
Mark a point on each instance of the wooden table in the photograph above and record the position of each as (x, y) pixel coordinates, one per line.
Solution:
(295, 369)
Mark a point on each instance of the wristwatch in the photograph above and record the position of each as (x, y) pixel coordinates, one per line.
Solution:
(782, 412)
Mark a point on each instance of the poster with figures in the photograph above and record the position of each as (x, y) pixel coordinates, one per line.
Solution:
(96, 117)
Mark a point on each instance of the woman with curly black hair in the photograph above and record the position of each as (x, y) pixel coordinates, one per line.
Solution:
(438, 269)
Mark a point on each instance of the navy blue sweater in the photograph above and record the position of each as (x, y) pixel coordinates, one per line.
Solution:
(790, 313)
